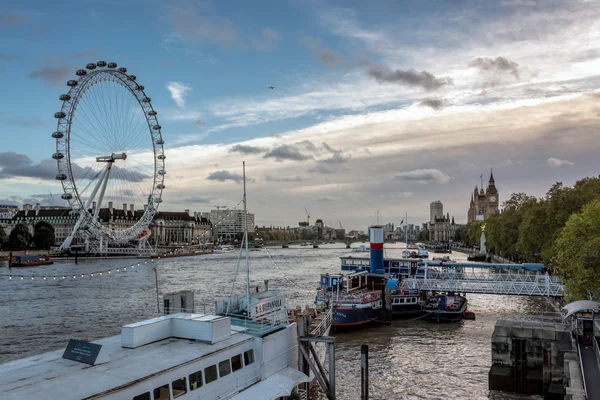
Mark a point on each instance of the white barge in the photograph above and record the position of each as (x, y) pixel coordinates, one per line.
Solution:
(178, 356)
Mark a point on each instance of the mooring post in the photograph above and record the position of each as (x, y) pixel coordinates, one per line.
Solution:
(332, 369)
(364, 372)
(10, 259)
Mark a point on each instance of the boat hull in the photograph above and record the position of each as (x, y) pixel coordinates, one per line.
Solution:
(405, 311)
(352, 317)
(32, 264)
(446, 315)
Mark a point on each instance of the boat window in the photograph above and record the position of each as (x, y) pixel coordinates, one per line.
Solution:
(210, 374)
(144, 396)
(236, 362)
(248, 357)
(196, 380)
(224, 368)
(179, 387)
(162, 393)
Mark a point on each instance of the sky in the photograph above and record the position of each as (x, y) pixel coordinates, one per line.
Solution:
(380, 106)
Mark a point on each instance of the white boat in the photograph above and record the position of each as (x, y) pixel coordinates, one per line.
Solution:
(422, 253)
(182, 355)
(361, 249)
(223, 249)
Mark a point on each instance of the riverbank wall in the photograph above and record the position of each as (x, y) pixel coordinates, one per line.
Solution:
(534, 355)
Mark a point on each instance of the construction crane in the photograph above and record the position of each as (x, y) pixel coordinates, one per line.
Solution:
(307, 216)
(219, 207)
(341, 227)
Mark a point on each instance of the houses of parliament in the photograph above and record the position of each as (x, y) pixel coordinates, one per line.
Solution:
(484, 203)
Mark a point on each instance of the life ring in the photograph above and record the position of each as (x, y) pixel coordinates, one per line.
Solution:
(365, 299)
(337, 305)
(451, 306)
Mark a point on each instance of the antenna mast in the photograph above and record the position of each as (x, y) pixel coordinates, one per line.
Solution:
(246, 239)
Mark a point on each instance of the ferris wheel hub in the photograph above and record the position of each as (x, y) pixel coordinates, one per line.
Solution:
(112, 157)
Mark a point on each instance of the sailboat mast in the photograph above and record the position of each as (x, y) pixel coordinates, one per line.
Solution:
(246, 240)
(406, 230)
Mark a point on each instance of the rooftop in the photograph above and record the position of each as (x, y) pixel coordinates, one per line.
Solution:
(49, 376)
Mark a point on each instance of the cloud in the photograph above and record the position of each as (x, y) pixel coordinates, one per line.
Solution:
(87, 53)
(436, 104)
(272, 178)
(325, 166)
(178, 91)
(245, 149)
(196, 28)
(199, 199)
(268, 40)
(325, 56)
(9, 19)
(223, 176)
(499, 64)
(411, 77)
(328, 198)
(423, 176)
(8, 57)
(19, 165)
(287, 152)
(12, 159)
(322, 169)
(199, 123)
(587, 55)
(557, 162)
(52, 76)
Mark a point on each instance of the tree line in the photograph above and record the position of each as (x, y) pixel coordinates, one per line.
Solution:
(561, 230)
(20, 238)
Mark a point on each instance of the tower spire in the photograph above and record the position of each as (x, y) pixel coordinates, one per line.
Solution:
(492, 181)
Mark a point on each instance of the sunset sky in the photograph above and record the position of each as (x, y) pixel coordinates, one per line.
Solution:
(377, 106)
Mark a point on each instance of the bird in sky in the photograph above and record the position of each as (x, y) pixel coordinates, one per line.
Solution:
(271, 87)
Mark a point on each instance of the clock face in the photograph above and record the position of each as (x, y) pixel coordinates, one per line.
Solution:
(493, 198)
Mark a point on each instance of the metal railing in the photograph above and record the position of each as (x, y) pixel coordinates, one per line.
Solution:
(256, 328)
(324, 325)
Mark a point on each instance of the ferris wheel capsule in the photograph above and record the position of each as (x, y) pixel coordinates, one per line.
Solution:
(64, 97)
(161, 157)
(59, 115)
(72, 83)
(122, 69)
(101, 64)
(81, 72)
(91, 66)
(132, 77)
(152, 113)
(57, 135)
(140, 87)
(112, 65)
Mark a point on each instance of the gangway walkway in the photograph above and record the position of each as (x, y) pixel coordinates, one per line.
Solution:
(487, 282)
(591, 370)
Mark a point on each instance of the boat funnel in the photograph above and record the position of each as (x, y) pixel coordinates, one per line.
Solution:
(376, 239)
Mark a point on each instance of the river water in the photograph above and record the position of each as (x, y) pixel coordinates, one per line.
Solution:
(408, 360)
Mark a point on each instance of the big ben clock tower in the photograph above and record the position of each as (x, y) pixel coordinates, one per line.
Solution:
(491, 194)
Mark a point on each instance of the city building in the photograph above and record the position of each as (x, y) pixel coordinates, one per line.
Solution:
(484, 203)
(436, 210)
(167, 228)
(7, 211)
(229, 223)
(320, 228)
(443, 229)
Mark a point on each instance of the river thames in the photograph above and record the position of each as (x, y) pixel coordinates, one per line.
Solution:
(408, 359)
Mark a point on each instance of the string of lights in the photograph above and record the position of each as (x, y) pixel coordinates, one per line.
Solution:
(286, 277)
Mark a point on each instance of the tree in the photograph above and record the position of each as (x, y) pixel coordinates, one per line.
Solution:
(19, 238)
(43, 239)
(43, 236)
(577, 253)
(423, 235)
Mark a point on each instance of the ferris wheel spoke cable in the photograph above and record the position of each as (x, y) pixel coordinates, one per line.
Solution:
(99, 122)
(101, 93)
(84, 124)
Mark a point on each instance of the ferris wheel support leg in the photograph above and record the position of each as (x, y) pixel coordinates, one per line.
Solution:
(101, 197)
(69, 239)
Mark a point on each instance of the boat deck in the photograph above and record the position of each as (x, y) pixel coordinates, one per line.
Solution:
(49, 376)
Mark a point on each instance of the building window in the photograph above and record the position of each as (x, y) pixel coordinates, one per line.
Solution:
(162, 393)
(210, 374)
(236, 362)
(224, 368)
(179, 387)
(144, 396)
(248, 357)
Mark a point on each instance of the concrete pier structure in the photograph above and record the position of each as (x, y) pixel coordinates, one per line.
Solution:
(530, 356)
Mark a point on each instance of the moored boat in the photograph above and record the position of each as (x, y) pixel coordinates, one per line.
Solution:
(351, 301)
(404, 302)
(361, 249)
(31, 261)
(448, 307)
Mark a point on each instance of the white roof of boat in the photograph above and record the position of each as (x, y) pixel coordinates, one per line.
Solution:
(49, 376)
(580, 305)
(274, 387)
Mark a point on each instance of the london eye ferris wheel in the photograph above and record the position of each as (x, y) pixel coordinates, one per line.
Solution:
(109, 151)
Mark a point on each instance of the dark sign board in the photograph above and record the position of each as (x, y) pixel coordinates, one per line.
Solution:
(83, 352)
